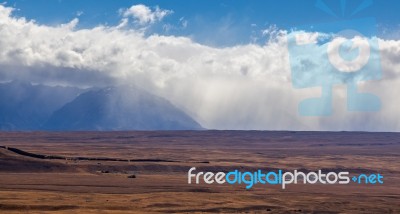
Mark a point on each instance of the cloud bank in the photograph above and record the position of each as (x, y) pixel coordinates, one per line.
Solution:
(239, 87)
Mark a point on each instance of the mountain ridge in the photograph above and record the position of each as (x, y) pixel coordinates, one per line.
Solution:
(112, 108)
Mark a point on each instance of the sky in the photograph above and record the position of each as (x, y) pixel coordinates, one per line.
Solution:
(213, 22)
(228, 64)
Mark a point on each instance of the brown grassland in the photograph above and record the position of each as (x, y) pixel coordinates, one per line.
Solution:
(87, 172)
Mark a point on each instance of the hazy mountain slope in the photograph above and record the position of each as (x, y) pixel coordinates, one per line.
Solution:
(24, 106)
(120, 108)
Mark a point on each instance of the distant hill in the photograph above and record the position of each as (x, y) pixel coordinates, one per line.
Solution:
(120, 108)
(24, 106)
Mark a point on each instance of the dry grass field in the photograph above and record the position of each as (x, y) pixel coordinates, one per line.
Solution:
(89, 171)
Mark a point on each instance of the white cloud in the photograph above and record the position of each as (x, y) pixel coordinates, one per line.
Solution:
(239, 87)
(183, 22)
(145, 15)
(79, 13)
(307, 38)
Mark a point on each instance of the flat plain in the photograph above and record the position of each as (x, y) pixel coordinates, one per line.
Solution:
(146, 171)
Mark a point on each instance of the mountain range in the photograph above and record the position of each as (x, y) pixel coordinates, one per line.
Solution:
(25, 107)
